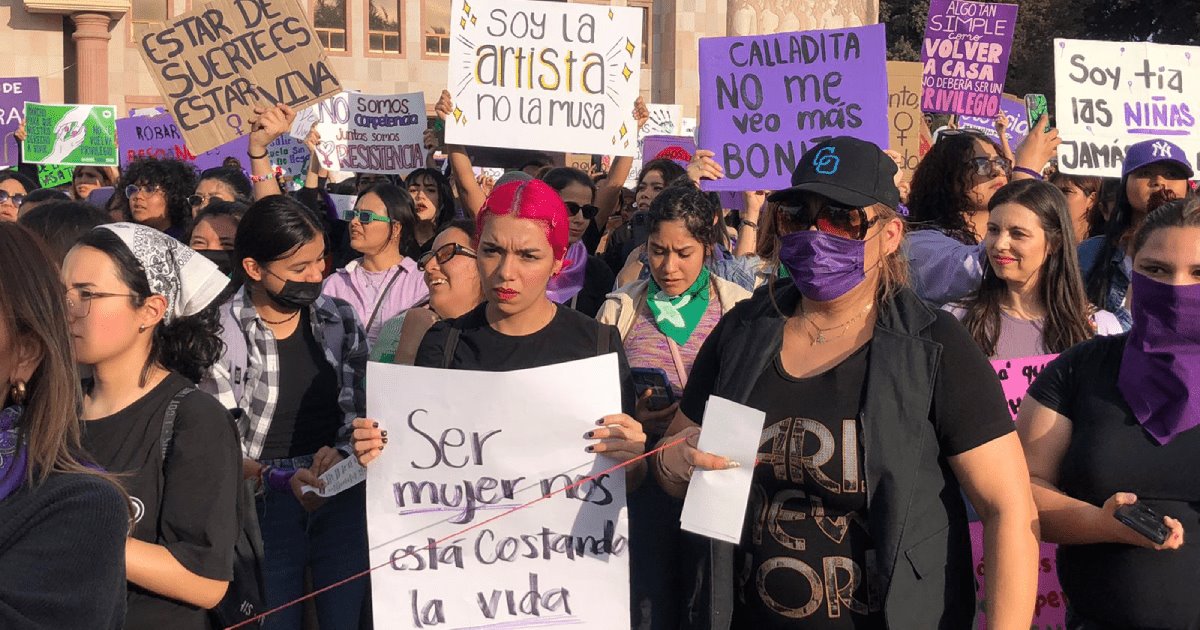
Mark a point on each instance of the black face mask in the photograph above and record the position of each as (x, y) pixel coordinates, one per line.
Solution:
(223, 259)
(294, 295)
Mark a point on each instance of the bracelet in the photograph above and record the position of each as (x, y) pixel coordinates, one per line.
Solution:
(1028, 171)
(280, 480)
(254, 179)
(256, 157)
(750, 224)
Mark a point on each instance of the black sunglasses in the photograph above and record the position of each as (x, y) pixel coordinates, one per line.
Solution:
(589, 211)
(16, 199)
(444, 254)
(843, 221)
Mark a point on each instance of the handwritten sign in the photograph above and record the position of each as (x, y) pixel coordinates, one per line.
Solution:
(476, 446)
(904, 113)
(217, 62)
(1014, 112)
(765, 99)
(1114, 94)
(1016, 375)
(159, 137)
(385, 132)
(75, 135)
(54, 175)
(13, 94)
(544, 75)
(664, 120)
(965, 53)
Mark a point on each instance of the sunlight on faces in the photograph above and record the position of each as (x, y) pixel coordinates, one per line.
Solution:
(215, 232)
(1171, 256)
(210, 190)
(424, 191)
(373, 237)
(984, 186)
(582, 195)
(149, 209)
(883, 239)
(8, 209)
(111, 325)
(648, 189)
(675, 257)
(1016, 244)
(1079, 206)
(1144, 181)
(515, 262)
(85, 180)
(303, 264)
(454, 287)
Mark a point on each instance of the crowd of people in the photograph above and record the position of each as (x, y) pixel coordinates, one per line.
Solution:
(182, 352)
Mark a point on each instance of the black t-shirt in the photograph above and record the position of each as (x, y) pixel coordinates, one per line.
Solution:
(569, 336)
(1109, 452)
(192, 508)
(307, 414)
(591, 237)
(598, 282)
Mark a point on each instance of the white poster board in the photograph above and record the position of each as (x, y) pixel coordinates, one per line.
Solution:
(545, 76)
(367, 133)
(1110, 95)
(665, 120)
(466, 449)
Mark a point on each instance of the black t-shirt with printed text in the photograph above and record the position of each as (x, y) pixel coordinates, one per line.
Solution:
(192, 508)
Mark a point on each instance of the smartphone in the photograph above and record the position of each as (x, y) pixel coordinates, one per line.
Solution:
(1144, 521)
(655, 380)
(1035, 108)
(639, 223)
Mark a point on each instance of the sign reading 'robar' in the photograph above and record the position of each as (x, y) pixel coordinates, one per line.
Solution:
(217, 62)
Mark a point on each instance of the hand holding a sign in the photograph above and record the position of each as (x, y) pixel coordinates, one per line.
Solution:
(1122, 533)
(268, 124)
(367, 440)
(20, 134)
(677, 463)
(1037, 149)
(641, 113)
(703, 166)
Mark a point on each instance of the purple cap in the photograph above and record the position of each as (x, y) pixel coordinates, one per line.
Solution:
(1154, 151)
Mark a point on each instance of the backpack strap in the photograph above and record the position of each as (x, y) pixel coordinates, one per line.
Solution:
(451, 346)
(168, 425)
(602, 340)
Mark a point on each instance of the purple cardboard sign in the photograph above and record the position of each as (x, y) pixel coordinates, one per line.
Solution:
(653, 145)
(1018, 122)
(965, 54)
(159, 137)
(13, 94)
(765, 99)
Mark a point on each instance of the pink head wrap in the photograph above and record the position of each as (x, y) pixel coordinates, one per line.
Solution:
(533, 200)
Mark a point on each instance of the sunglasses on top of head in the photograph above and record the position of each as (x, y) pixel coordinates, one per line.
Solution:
(842, 221)
(589, 211)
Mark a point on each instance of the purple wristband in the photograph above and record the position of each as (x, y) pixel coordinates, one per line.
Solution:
(280, 480)
(1028, 171)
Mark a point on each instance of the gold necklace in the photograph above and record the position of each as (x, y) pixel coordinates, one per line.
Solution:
(820, 337)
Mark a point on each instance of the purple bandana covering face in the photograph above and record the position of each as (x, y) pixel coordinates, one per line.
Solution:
(13, 454)
(1160, 369)
(569, 282)
(823, 266)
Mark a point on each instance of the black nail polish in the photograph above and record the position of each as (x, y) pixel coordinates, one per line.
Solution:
(384, 434)
(600, 422)
(589, 434)
(385, 440)
(375, 425)
(590, 449)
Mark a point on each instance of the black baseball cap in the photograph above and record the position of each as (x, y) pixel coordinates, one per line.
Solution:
(847, 170)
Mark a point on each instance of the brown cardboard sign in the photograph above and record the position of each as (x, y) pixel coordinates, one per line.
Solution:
(215, 63)
(904, 113)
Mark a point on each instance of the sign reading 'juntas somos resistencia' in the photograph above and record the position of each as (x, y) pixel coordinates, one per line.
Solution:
(214, 64)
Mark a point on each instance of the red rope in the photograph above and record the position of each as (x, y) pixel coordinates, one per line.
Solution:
(459, 533)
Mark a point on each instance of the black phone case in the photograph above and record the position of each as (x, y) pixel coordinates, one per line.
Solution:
(1144, 521)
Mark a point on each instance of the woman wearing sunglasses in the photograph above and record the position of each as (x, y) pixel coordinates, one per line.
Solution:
(13, 189)
(878, 409)
(220, 184)
(454, 290)
(948, 206)
(156, 194)
(584, 279)
(385, 281)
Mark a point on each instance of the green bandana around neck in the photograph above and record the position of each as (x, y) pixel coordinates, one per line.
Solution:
(677, 317)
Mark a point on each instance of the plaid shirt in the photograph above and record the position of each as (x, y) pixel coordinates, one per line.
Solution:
(249, 380)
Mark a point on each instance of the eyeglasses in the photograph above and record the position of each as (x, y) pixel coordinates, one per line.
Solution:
(444, 254)
(198, 200)
(832, 219)
(986, 167)
(589, 211)
(15, 200)
(364, 216)
(132, 190)
(79, 301)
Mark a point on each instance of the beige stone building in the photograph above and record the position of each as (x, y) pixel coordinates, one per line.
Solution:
(84, 50)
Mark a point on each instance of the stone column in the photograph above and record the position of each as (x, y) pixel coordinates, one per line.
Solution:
(91, 56)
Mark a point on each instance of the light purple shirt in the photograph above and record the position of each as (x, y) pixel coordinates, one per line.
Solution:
(362, 289)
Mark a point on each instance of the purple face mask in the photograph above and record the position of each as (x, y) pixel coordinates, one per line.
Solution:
(823, 266)
(1160, 369)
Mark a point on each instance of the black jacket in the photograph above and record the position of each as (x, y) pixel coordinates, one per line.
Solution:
(916, 513)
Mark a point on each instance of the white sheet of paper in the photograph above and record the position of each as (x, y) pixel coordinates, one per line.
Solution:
(342, 476)
(716, 499)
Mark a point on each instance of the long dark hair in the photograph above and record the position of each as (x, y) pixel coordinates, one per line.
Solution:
(61, 223)
(1180, 213)
(1060, 290)
(403, 211)
(188, 345)
(445, 212)
(178, 181)
(234, 178)
(1088, 185)
(562, 176)
(669, 170)
(272, 229)
(938, 195)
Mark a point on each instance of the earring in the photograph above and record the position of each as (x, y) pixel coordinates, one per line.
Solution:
(16, 392)
(142, 328)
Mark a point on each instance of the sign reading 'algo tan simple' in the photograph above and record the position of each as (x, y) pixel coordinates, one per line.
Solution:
(216, 63)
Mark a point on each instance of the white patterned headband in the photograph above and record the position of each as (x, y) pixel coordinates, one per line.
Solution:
(188, 281)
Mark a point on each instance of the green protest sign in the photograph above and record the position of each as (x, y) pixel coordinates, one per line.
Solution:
(52, 175)
(74, 135)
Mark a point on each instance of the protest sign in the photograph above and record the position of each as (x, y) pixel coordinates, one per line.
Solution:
(577, 96)
(664, 120)
(1014, 112)
(367, 133)
(904, 113)
(965, 56)
(331, 119)
(76, 135)
(159, 137)
(288, 156)
(1050, 608)
(53, 175)
(1114, 94)
(581, 161)
(716, 500)
(765, 99)
(216, 63)
(13, 94)
(467, 450)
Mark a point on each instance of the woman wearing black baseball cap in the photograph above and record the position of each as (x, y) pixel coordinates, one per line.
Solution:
(878, 410)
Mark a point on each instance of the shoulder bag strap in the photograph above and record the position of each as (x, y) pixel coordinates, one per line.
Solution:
(383, 294)
(451, 346)
(168, 425)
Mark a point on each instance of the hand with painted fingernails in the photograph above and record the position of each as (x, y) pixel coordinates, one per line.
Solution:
(618, 436)
(367, 440)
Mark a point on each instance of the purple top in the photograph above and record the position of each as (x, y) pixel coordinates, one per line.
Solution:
(362, 290)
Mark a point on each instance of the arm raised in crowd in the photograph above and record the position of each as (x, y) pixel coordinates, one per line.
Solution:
(268, 124)
(608, 196)
(1035, 151)
(470, 194)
